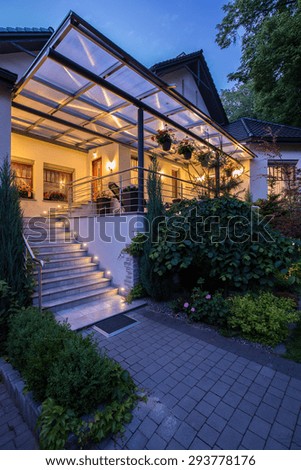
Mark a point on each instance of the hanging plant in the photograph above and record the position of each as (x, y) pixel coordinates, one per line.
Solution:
(165, 137)
(204, 159)
(185, 148)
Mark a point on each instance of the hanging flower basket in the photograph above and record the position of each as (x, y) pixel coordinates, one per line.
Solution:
(164, 137)
(185, 148)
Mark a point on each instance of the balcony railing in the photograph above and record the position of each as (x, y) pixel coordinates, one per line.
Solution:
(118, 192)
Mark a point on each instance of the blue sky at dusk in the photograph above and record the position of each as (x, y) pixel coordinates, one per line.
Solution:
(150, 30)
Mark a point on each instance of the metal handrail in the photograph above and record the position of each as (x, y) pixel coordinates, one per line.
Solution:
(40, 264)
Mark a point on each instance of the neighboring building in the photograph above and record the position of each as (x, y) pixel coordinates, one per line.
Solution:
(278, 148)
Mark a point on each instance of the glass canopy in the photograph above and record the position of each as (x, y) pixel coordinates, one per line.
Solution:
(84, 91)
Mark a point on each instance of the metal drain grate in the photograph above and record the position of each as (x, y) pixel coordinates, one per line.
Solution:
(114, 325)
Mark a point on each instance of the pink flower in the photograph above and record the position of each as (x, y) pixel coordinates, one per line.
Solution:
(193, 309)
(208, 297)
(186, 305)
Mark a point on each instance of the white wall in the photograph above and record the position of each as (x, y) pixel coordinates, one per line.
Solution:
(106, 237)
(191, 91)
(28, 150)
(259, 165)
(5, 123)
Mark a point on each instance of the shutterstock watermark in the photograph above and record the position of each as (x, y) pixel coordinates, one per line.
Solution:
(173, 229)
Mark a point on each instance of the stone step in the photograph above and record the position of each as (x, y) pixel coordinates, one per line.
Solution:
(69, 280)
(58, 255)
(67, 262)
(71, 289)
(51, 248)
(79, 299)
(52, 273)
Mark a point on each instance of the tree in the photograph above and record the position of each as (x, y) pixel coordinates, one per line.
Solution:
(271, 54)
(239, 101)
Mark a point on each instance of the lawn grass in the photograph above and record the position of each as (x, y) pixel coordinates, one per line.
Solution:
(293, 346)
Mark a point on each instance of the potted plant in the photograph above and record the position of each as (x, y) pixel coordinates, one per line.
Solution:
(204, 159)
(57, 196)
(164, 137)
(103, 202)
(25, 191)
(130, 198)
(185, 148)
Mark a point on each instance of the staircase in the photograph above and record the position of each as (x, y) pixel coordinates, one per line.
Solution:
(73, 286)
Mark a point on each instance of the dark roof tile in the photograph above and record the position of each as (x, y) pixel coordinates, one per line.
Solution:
(254, 129)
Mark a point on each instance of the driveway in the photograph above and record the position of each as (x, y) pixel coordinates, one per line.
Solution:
(205, 391)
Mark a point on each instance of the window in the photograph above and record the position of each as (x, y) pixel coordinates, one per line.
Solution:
(175, 184)
(23, 175)
(56, 184)
(134, 171)
(281, 175)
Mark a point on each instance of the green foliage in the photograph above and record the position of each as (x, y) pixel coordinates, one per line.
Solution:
(56, 423)
(137, 292)
(263, 318)
(238, 101)
(136, 246)
(224, 240)
(13, 269)
(205, 307)
(154, 286)
(60, 364)
(271, 54)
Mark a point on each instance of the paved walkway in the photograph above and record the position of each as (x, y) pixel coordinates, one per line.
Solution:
(14, 432)
(205, 391)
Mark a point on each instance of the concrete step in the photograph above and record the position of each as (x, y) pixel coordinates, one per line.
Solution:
(67, 262)
(58, 255)
(67, 302)
(51, 248)
(52, 273)
(71, 289)
(69, 280)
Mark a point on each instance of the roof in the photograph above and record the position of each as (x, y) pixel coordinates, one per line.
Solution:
(84, 91)
(197, 65)
(24, 39)
(249, 129)
(8, 78)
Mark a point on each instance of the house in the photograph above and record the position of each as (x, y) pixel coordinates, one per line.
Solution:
(78, 118)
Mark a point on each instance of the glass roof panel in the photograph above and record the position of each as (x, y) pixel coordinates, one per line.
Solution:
(82, 50)
(33, 104)
(97, 128)
(43, 131)
(113, 121)
(54, 126)
(68, 139)
(25, 116)
(69, 117)
(19, 124)
(103, 97)
(45, 92)
(186, 118)
(61, 76)
(82, 135)
(130, 81)
(162, 102)
(85, 109)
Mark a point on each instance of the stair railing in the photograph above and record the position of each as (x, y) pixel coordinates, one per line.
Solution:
(39, 263)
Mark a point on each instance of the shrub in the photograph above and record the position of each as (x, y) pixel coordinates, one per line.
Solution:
(212, 309)
(225, 241)
(137, 292)
(263, 318)
(60, 364)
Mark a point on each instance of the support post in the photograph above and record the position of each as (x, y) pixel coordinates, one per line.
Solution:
(140, 160)
(7, 80)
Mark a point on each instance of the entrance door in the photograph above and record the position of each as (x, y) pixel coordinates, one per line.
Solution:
(97, 173)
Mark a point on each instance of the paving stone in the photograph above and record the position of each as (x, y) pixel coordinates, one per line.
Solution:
(175, 445)
(240, 421)
(204, 408)
(291, 404)
(158, 413)
(196, 393)
(216, 422)
(232, 399)
(206, 384)
(168, 427)
(229, 439)
(260, 427)
(169, 400)
(272, 400)
(137, 441)
(196, 419)
(180, 390)
(208, 434)
(185, 435)
(281, 434)
(148, 427)
(271, 444)
(253, 398)
(220, 389)
(212, 398)
(156, 443)
(224, 410)
(198, 444)
(266, 412)
(286, 418)
(239, 389)
(187, 403)
(252, 441)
